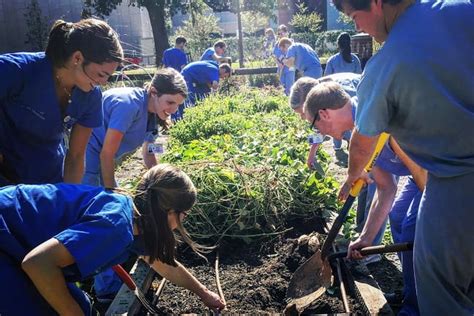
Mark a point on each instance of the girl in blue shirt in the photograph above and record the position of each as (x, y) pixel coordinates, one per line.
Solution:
(344, 61)
(53, 235)
(44, 96)
(131, 119)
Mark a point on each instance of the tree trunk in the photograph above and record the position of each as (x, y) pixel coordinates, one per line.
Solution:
(156, 12)
(241, 43)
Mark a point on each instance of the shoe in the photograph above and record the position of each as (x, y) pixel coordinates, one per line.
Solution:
(371, 259)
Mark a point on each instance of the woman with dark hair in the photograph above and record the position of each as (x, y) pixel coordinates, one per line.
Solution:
(55, 234)
(50, 101)
(131, 118)
(344, 61)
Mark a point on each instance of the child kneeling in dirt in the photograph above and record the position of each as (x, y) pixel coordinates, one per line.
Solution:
(56, 234)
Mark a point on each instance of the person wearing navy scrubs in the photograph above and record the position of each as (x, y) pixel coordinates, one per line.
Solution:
(301, 57)
(286, 76)
(175, 57)
(53, 235)
(201, 77)
(49, 102)
(345, 60)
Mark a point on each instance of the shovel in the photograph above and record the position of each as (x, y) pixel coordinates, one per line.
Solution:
(127, 279)
(312, 278)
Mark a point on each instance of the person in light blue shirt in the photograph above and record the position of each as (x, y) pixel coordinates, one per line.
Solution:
(175, 57)
(344, 61)
(418, 88)
(201, 77)
(54, 235)
(132, 117)
(215, 53)
(302, 57)
(330, 109)
(286, 75)
(49, 102)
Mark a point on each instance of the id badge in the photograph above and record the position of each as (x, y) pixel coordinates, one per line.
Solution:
(315, 139)
(156, 148)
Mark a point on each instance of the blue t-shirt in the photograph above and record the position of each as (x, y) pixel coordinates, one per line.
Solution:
(419, 87)
(349, 81)
(125, 110)
(174, 58)
(208, 53)
(306, 59)
(387, 159)
(336, 63)
(199, 74)
(31, 125)
(94, 224)
(279, 55)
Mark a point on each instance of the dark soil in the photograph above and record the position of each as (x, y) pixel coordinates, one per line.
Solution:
(254, 278)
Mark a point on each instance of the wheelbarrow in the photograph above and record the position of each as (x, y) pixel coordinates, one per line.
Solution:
(311, 279)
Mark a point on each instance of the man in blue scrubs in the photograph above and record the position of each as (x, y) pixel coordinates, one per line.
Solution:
(334, 111)
(175, 57)
(215, 53)
(419, 88)
(302, 57)
(201, 77)
(287, 76)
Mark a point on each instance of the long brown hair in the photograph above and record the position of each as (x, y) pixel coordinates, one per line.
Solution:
(94, 38)
(167, 81)
(162, 189)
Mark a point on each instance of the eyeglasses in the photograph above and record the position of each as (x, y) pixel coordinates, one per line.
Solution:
(316, 118)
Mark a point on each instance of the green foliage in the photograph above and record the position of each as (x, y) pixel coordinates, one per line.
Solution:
(201, 35)
(266, 7)
(246, 155)
(304, 21)
(37, 27)
(253, 22)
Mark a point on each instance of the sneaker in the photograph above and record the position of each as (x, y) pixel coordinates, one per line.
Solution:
(371, 259)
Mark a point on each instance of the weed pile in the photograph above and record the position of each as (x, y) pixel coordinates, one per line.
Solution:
(246, 155)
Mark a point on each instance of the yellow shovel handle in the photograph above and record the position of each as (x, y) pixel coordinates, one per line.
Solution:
(355, 190)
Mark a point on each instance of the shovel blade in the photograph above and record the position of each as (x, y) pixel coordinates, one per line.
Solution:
(308, 283)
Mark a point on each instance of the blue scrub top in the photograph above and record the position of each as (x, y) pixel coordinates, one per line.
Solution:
(387, 159)
(94, 224)
(174, 58)
(279, 55)
(306, 59)
(208, 53)
(419, 87)
(336, 63)
(125, 110)
(31, 126)
(199, 74)
(348, 81)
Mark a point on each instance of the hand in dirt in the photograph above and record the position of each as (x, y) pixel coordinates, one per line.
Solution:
(346, 187)
(353, 252)
(212, 300)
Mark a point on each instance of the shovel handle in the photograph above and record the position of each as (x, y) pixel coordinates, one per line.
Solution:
(124, 276)
(406, 246)
(359, 184)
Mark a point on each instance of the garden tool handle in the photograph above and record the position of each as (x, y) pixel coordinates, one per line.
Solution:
(359, 184)
(124, 276)
(341, 217)
(372, 250)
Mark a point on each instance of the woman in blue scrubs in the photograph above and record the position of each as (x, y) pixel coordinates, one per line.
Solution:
(50, 101)
(55, 234)
(131, 119)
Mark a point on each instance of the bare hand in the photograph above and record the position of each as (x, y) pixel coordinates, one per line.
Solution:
(354, 246)
(346, 187)
(212, 300)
